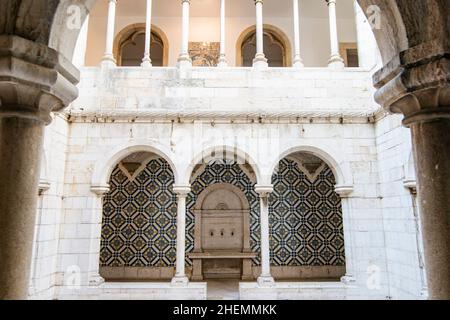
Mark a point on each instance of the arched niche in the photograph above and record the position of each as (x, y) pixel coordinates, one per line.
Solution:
(306, 220)
(139, 215)
(129, 46)
(277, 47)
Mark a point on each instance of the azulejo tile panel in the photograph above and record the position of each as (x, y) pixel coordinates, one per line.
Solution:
(139, 216)
(305, 217)
(139, 219)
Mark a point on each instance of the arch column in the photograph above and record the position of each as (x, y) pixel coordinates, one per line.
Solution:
(336, 60)
(180, 278)
(147, 61)
(222, 59)
(34, 81)
(108, 57)
(265, 279)
(94, 277)
(344, 193)
(415, 83)
(260, 60)
(184, 60)
(298, 62)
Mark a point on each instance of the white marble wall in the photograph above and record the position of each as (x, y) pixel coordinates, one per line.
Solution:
(50, 211)
(395, 165)
(179, 114)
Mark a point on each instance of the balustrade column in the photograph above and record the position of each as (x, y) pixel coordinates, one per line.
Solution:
(180, 276)
(336, 60)
(222, 60)
(298, 62)
(184, 60)
(260, 60)
(108, 57)
(147, 61)
(265, 279)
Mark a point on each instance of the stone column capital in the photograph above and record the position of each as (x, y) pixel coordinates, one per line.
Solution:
(264, 190)
(259, 1)
(416, 83)
(330, 2)
(183, 1)
(181, 190)
(35, 80)
(343, 190)
(100, 190)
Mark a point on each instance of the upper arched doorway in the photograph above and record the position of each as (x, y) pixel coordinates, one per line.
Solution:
(277, 47)
(129, 46)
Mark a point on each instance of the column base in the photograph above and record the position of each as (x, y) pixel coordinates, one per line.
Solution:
(96, 280)
(336, 62)
(184, 61)
(260, 62)
(180, 281)
(146, 63)
(108, 61)
(222, 62)
(348, 278)
(298, 63)
(266, 281)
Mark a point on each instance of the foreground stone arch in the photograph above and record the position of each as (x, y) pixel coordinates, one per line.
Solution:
(414, 42)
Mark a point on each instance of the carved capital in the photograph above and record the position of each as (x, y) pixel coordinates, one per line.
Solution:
(100, 190)
(35, 80)
(343, 191)
(181, 191)
(263, 191)
(416, 83)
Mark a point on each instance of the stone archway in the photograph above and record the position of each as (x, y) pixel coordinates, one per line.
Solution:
(274, 38)
(413, 40)
(130, 34)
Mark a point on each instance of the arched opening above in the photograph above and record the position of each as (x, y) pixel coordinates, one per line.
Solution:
(277, 47)
(129, 46)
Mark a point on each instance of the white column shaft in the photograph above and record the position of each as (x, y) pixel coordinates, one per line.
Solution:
(265, 247)
(333, 27)
(222, 59)
(297, 57)
(260, 60)
(147, 61)
(181, 236)
(336, 59)
(259, 28)
(184, 60)
(110, 28)
(185, 40)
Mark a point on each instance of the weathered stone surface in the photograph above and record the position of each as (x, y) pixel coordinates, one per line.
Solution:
(34, 79)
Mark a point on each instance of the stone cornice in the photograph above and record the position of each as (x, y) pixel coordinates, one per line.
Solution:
(232, 115)
(34, 79)
(417, 83)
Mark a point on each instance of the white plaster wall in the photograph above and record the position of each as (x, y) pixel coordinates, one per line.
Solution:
(402, 249)
(50, 212)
